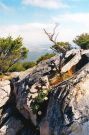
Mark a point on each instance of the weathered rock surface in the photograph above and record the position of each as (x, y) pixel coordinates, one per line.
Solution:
(11, 127)
(29, 105)
(68, 109)
(4, 92)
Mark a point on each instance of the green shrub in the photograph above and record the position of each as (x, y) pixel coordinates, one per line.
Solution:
(57, 47)
(1, 74)
(17, 67)
(11, 52)
(42, 97)
(28, 65)
(82, 41)
(45, 57)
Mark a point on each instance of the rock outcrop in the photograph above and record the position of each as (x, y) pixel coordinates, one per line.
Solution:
(4, 92)
(68, 108)
(31, 104)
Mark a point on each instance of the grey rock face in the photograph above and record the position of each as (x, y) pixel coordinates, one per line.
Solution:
(64, 111)
(4, 92)
(11, 127)
(68, 109)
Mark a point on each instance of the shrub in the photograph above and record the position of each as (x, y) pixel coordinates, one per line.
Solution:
(11, 52)
(17, 67)
(45, 57)
(64, 45)
(39, 100)
(27, 65)
(82, 41)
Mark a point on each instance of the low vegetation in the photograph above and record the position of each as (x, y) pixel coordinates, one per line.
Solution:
(37, 102)
(27, 65)
(45, 57)
(21, 66)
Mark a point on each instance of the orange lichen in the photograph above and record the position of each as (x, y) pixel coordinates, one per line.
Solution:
(59, 78)
(70, 72)
(55, 80)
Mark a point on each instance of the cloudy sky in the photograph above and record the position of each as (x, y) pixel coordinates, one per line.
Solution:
(27, 18)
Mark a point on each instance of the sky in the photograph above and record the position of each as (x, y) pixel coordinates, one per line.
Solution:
(27, 18)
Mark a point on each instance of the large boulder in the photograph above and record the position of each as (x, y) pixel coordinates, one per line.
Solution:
(68, 108)
(31, 105)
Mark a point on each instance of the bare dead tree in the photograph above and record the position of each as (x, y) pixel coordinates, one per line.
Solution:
(53, 38)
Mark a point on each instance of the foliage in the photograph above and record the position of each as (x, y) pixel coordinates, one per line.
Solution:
(64, 45)
(59, 47)
(82, 41)
(11, 51)
(22, 66)
(17, 67)
(1, 75)
(45, 57)
(37, 102)
(28, 65)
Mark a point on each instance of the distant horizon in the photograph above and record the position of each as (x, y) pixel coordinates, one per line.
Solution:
(34, 55)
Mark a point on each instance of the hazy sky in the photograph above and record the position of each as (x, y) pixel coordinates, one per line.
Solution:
(27, 18)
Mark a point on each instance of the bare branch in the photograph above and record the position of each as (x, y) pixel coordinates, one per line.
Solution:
(56, 36)
(51, 35)
(53, 39)
(54, 30)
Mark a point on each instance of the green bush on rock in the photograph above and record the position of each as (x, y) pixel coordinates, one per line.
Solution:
(27, 65)
(17, 67)
(45, 57)
(39, 100)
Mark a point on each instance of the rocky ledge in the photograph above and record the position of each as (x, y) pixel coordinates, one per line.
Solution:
(41, 102)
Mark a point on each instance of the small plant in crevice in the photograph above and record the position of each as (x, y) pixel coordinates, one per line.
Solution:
(36, 104)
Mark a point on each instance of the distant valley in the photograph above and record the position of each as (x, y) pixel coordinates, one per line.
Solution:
(34, 55)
